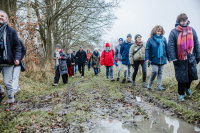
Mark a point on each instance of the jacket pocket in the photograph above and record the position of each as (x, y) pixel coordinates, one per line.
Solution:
(63, 68)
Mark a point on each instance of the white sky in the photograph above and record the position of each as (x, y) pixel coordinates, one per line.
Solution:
(140, 16)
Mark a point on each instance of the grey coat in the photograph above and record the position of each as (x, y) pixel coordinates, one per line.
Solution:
(117, 53)
(62, 63)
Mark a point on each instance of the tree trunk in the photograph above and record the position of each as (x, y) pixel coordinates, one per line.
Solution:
(4, 5)
(49, 44)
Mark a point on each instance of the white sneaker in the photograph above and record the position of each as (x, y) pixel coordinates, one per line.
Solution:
(72, 76)
(82, 77)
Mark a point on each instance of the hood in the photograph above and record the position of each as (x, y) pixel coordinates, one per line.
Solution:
(177, 23)
(132, 42)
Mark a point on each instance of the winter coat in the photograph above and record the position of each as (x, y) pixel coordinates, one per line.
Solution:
(124, 51)
(81, 57)
(23, 52)
(118, 55)
(88, 55)
(185, 70)
(139, 56)
(151, 52)
(70, 60)
(107, 57)
(95, 58)
(62, 63)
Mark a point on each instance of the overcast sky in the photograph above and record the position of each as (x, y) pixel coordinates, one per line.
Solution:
(140, 16)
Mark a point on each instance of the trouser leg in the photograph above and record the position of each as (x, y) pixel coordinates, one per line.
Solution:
(16, 74)
(136, 63)
(119, 68)
(111, 72)
(144, 71)
(154, 72)
(125, 69)
(160, 74)
(57, 76)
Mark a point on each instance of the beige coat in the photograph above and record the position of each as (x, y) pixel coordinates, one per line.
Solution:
(96, 59)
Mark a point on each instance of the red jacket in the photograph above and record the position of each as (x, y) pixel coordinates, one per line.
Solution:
(107, 58)
(88, 55)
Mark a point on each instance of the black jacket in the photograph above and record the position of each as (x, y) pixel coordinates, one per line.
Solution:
(81, 57)
(23, 51)
(71, 60)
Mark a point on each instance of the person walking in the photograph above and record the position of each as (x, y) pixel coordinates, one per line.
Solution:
(75, 66)
(70, 63)
(156, 53)
(124, 51)
(81, 59)
(17, 69)
(136, 58)
(118, 56)
(10, 54)
(185, 53)
(95, 61)
(88, 56)
(60, 65)
(107, 58)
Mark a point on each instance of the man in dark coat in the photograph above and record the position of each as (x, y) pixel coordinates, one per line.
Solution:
(10, 54)
(81, 59)
(185, 53)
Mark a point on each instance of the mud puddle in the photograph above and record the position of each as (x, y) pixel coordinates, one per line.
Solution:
(158, 123)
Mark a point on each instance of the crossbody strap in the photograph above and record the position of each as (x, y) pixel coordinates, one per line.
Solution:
(137, 50)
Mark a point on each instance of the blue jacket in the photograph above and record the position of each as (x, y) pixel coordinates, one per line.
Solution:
(151, 52)
(62, 63)
(124, 51)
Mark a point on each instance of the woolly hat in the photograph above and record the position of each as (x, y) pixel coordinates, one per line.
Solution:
(121, 39)
(107, 45)
(129, 35)
(137, 36)
(58, 46)
(80, 46)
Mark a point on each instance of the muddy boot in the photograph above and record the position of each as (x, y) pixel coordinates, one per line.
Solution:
(129, 81)
(10, 107)
(133, 83)
(144, 85)
(117, 79)
(112, 80)
(188, 92)
(2, 95)
(160, 88)
(149, 87)
(54, 84)
(123, 80)
(181, 98)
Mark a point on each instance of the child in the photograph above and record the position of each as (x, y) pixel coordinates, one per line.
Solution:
(60, 65)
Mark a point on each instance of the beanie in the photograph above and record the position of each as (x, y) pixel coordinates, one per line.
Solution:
(137, 36)
(80, 46)
(59, 46)
(121, 39)
(129, 35)
(107, 45)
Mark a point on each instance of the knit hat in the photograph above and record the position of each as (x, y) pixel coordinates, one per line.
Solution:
(80, 46)
(137, 36)
(58, 46)
(129, 35)
(107, 45)
(121, 39)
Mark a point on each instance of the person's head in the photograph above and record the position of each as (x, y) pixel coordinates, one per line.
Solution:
(74, 52)
(3, 17)
(100, 50)
(182, 19)
(96, 50)
(120, 40)
(81, 48)
(107, 46)
(88, 50)
(138, 38)
(129, 37)
(70, 51)
(58, 47)
(157, 30)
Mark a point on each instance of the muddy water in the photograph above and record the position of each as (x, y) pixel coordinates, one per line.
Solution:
(158, 123)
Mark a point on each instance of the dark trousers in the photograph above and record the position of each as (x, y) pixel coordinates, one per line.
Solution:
(81, 69)
(182, 86)
(95, 71)
(144, 70)
(57, 77)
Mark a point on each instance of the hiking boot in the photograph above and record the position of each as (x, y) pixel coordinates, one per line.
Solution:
(181, 98)
(149, 87)
(10, 107)
(117, 79)
(55, 84)
(82, 77)
(129, 81)
(188, 92)
(112, 80)
(123, 80)
(2, 95)
(133, 83)
(160, 88)
(72, 76)
(144, 85)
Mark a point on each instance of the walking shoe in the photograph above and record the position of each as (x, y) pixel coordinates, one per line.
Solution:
(144, 85)
(133, 83)
(129, 81)
(117, 79)
(181, 98)
(82, 77)
(149, 87)
(55, 84)
(72, 76)
(188, 92)
(123, 80)
(10, 107)
(112, 80)
(2, 95)
(107, 78)
(160, 88)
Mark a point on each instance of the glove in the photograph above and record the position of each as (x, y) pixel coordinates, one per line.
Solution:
(114, 62)
(149, 64)
(197, 60)
(133, 65)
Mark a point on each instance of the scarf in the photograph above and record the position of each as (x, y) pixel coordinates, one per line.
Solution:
(2, 34)
(96, 54)
(107, 50)
(58, 56)
(159, 40)
(138, 43)
(185, 42)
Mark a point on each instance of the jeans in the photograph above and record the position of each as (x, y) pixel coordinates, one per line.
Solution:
(75, 68)
(119, 68)
(156, 70)
(57, 77)
(70, 70)
(127, 68)
(81, 69)
(16, 73)
(8, 79)
(95, 71)
(109, 68)
(89, 65)
(99, 67)
(144, 70)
